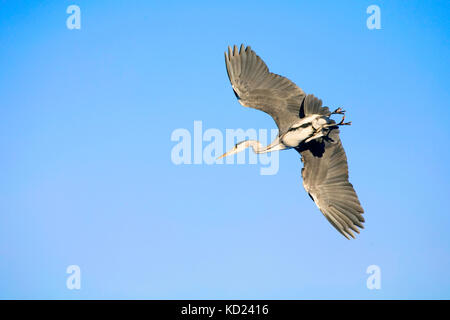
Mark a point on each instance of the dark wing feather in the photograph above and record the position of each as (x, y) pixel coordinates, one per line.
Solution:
(325, 178)
(312, 105)
(258, 88)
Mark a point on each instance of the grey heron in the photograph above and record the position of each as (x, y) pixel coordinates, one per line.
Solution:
(304, 125)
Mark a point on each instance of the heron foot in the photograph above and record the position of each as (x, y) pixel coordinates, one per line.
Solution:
(338, 111)
(342, 123)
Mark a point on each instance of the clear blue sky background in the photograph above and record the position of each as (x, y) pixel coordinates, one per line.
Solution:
(86, 176)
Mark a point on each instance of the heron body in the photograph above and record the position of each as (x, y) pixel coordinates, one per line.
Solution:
(304, 125)
(308, 128)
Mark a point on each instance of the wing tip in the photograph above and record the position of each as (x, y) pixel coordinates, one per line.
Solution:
(234, 50)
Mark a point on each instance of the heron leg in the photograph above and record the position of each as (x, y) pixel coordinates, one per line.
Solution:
(342, 123)
(317, 135)
(321, 132)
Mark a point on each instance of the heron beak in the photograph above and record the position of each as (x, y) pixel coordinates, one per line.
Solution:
(230, 152)
(224, 155)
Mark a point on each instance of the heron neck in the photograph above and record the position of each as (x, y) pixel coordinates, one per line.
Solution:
(274, 146)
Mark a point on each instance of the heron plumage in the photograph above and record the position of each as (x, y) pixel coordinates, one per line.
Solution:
(304, 124)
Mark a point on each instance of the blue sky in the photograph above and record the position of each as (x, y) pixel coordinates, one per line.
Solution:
(86, 176)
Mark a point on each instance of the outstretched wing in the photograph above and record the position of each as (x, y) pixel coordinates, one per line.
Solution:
(258, 88)
(325, 178)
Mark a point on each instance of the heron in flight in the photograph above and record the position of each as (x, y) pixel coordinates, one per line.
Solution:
(303, 125)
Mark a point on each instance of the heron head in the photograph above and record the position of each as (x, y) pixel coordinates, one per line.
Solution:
(240, 146)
